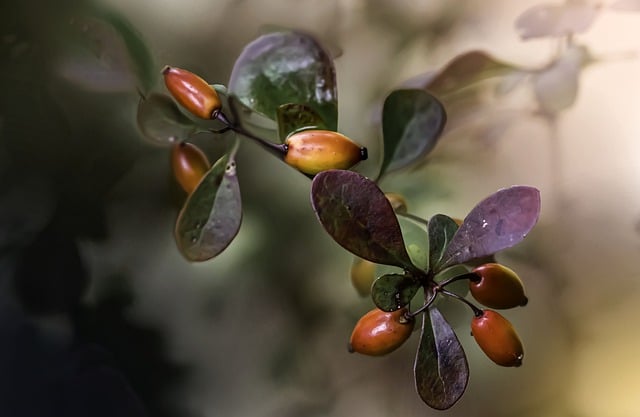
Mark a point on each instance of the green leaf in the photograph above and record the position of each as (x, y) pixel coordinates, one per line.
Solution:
(416, 241)
(252, 121)
(391, 292)
(498, 222)
(161, 121)
(355, 212)
(441, 369)
(211, 216)
(412, 121)
(441, 230)
(293, 117)
(286, 67)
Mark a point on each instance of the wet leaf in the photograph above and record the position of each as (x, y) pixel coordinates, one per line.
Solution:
(412, 121)
(355, 212)
(441, 230)
(391, 292)
(441, 369)
(553, 20)
(498, 222)
(286, 67)
(293, 117)
(161, 121)
(416, 241)
(211, 216)
(463, 70)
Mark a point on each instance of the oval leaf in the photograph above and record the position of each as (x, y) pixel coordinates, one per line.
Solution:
(252, 121)
(391, 292)
(441, 230)
(416, 241)
(556, 20)
(161, 121)
(293, 117)
(211, 216)
(412, 121)
(496, 223)
(556, 87)
(441, 369)
(355, 212)
(286, 67)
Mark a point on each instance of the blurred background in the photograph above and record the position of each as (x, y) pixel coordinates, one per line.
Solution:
(100, 314)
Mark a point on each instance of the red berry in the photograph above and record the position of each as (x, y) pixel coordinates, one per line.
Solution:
(192, 92)
(379, 332)
(497, 338)
(497, 287)
(189, 165)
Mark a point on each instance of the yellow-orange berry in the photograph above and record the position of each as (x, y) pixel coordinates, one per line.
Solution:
(379, 332)
(192, 92)
(497, 338)
(362, 275)
(497, 286)
(189, 165)
(313, 151)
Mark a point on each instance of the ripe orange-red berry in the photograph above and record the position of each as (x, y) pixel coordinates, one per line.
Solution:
(192, 92)
(313, 151)
(379, 332)
(497, 286)
(189, 165)
(497, 338)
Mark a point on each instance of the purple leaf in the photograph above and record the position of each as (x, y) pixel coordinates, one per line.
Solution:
(355, 212)
(496, 223)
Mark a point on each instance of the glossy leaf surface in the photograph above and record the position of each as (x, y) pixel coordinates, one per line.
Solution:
(496, 223)
(211, 216)
(286, 67)
(293, 117)
(412, 121)
(441, 369)
(441, 230)
(355, 212)
(161, 121)
(391, 292)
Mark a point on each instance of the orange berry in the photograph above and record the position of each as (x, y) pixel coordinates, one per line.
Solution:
(379, 332)
(497, 287)
(497, 338)
(192, 92)
(362, 275)
(189, 165)
(313, 151)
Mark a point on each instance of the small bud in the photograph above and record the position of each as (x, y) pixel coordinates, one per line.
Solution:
(192, 92)
(379, 332)
(497, 338)
(189, 165)
(313, 151)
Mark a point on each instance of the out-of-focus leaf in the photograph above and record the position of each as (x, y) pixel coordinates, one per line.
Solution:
(391, 292)
(211, 216)
(355, 212)
(459, 287)
(626, 5)
(143, 63)
(286, 67)
(106, 54)
(292, 117)
(441, 230)
(161, 121)
(556, 87)
(412, 121)
(553, 20)
(498, 222)
(362, 274)
(441, 369)
(416, 241)
(463, 70)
